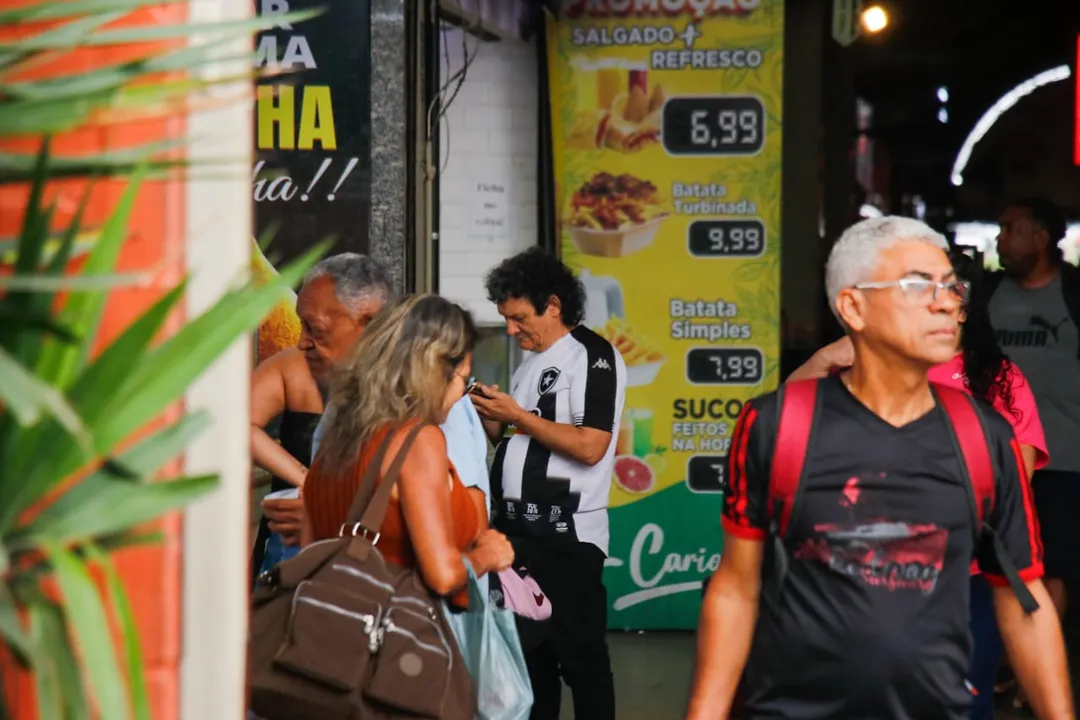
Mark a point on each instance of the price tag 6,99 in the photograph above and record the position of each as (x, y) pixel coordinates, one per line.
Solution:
(714, 125)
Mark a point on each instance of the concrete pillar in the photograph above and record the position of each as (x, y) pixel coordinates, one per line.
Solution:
(390, 119)
(216, 542)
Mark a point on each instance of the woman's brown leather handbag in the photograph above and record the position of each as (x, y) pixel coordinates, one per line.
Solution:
(337, 633)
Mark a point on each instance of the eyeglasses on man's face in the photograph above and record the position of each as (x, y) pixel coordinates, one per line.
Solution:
(923, 291)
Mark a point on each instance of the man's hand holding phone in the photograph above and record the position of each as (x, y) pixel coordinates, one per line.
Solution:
(494, 405)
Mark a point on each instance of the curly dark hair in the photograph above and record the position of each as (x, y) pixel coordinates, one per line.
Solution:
(536, 275)
(986, 368)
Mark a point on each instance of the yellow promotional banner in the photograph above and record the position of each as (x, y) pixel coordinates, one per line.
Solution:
(667, 131)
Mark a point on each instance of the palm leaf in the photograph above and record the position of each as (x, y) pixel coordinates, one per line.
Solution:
(129, 632)
(29, 399)
(113, 77)
(111, 505)
(165, 372)
(35, 308)
(18, 167)
(47, 630)
(14, 635)
(81, 31)
(82, 312)
(34, 13)
(89, 624)
(101, 505)
(160, 378)
(62, 413)
(99, 381)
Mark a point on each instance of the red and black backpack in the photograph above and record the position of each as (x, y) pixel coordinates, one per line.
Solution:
(799, 405)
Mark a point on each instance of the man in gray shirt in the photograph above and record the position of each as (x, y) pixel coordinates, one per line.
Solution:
(1035, 311)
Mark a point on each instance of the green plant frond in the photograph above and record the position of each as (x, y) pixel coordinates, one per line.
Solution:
(161, 377)
(26, 340)
(90, 392)
(77, 283)
(42, 11)
(129, 632)
(28, 255)
(102, 506)
(113, 105)
(68, 35)
(50, 635)
(14, 635)
(65, 411)
(109, 506)
(88, 622)
(28, 399)
(115, 76)
(82, 312)
(106, 167)
(82, 32)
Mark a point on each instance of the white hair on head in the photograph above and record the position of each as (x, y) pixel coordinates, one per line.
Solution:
(357, 278)
(855, 256)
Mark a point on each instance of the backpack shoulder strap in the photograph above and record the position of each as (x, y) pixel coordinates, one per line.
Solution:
(967, 429)
(797, 401)
(1070, 288)
(991, 281)
(969, 433)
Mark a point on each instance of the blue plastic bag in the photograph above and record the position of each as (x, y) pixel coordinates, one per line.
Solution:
(489, 643)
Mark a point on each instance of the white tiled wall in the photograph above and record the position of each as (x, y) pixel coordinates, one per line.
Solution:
(488, 133)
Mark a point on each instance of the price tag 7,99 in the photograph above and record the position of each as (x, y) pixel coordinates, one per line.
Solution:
(725, 366)
(705, 473)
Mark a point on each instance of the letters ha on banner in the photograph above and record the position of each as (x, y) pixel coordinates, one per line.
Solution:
(311, 176)
(277, 107)
(666, 120)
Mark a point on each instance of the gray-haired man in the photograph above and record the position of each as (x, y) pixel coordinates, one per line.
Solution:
(338, 298)
(865, 611)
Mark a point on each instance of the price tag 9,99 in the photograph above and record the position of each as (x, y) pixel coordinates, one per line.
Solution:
(726, 238)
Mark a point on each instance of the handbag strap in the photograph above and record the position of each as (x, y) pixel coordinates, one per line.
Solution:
(375, 512)
(367, 483)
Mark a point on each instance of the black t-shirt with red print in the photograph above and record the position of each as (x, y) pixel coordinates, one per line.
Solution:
(872, 619)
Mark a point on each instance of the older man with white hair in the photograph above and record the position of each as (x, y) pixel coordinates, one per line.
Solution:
(864, 497)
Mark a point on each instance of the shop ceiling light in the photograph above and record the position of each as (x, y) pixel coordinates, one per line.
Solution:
(874, 19)
(999, 108)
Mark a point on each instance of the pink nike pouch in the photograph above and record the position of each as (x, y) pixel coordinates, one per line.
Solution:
(523, 596)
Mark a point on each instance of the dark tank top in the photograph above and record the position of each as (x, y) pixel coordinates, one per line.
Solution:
(295, 433)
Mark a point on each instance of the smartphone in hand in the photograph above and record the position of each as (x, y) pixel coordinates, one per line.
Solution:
(475, 388)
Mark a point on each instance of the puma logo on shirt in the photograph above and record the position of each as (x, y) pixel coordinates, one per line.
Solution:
(1039, 333)
(1040, 322)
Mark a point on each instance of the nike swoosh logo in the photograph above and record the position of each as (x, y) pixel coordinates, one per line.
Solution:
(539, 599)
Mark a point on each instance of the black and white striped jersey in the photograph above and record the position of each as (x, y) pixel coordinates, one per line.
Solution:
(580, 380)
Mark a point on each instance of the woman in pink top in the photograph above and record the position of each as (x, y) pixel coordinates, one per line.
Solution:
(981, 368)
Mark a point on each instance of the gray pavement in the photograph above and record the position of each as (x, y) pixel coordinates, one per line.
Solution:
(652, 670)
(652, 674)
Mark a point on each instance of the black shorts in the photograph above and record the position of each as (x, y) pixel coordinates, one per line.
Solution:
(1057, 498)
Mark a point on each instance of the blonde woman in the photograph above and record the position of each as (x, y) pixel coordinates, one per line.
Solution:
(411, 365)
